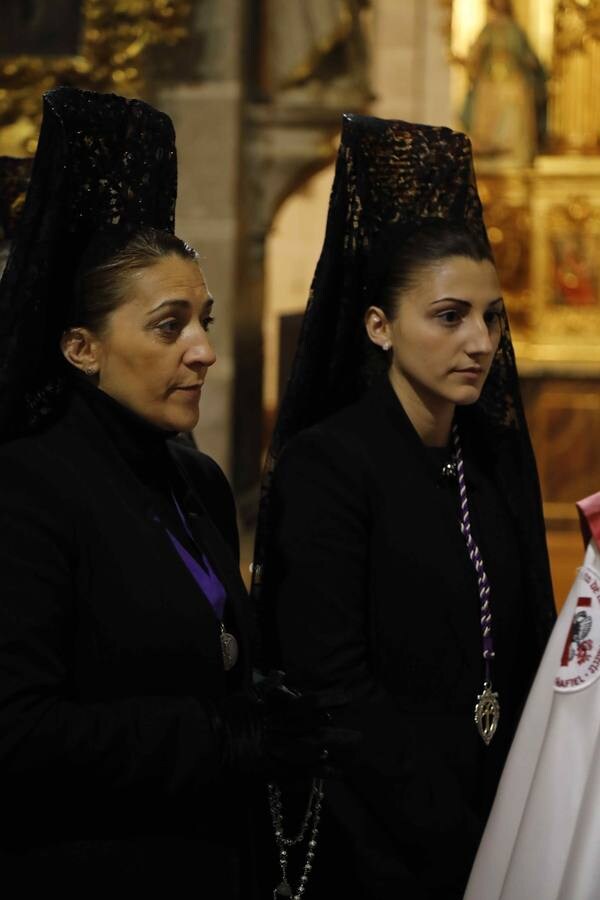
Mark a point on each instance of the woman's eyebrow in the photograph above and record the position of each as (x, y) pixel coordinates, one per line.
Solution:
(173, 302)
(208, 304)
(463, 302)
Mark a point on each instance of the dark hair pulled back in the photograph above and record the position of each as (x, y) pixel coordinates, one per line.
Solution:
(402, 256)
(109, 259)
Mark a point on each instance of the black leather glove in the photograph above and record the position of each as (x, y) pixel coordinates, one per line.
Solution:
(280, 733)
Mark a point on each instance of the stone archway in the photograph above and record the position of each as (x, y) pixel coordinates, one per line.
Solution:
(292, 249)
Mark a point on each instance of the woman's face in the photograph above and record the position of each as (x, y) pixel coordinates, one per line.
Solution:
(445, 331)
(154, 352)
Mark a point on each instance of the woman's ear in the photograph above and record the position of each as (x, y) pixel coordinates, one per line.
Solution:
(81, 349)
(378, 327)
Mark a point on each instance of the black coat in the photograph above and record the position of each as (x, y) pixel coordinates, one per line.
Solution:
(109, 659)
(371, 589)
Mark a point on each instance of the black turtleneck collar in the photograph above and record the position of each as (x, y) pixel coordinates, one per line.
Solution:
(140, 443)
(143, 448)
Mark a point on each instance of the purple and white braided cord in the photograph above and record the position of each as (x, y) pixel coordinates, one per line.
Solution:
(475, 556)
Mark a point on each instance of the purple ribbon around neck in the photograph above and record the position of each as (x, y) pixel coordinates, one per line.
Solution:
(202, 573)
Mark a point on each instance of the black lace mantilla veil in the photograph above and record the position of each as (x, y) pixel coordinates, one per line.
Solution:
(391, 175)
(102, 162)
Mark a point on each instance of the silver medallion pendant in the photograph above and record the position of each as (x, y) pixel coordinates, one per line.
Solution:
(229, 649)
(487, 713)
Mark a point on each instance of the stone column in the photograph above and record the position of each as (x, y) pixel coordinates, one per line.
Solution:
(411, 71)
(206, 114)
(282, 146)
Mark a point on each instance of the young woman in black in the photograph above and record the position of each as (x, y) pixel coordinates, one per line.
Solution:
(401, 547)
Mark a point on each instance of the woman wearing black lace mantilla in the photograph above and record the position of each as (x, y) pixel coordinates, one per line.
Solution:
(401, 553)
(130, 736)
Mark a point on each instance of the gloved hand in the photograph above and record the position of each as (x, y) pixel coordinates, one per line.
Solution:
(280, 733)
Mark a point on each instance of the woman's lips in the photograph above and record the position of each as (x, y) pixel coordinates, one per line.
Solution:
(191, 389)
(472, 373)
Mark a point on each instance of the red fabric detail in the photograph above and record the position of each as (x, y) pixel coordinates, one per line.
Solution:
(589, 516)
(584, 651)
(564, 660)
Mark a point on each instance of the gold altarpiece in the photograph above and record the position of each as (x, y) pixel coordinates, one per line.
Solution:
(544, 224)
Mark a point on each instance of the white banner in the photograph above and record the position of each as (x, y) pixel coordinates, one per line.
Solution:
(542, 840)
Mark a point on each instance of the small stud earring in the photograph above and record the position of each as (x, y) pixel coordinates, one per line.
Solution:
(91, 370)
(386, 346)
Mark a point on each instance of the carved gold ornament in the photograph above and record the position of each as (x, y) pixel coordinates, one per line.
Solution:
(577, 22)
(114, 36)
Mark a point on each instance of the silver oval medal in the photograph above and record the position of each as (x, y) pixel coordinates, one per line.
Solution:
(229, 649)
(487, 713)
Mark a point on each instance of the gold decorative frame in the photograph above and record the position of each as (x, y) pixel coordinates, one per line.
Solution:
(506, 210)
(114, 36)
(569, 305)
(564, 308)
(577, 23)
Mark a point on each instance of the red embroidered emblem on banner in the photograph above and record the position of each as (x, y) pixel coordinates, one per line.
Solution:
(580, 660)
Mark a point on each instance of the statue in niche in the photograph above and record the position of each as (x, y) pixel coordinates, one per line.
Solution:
(316, 52)
(505, 108)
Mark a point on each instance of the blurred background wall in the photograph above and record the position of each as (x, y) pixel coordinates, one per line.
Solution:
(256, 89)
